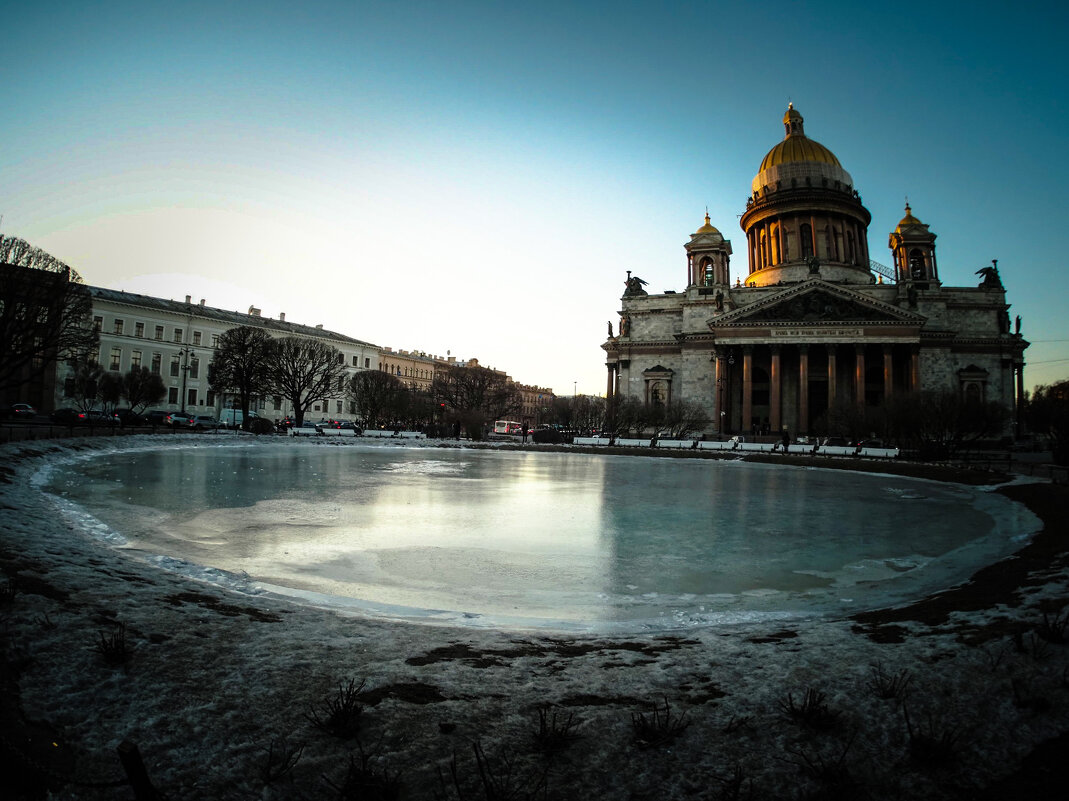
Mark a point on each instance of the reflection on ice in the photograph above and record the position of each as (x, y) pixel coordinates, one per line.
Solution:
(574, 539)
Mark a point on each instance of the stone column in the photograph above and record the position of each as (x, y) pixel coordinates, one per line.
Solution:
(832, 378)
(747, 388)
(775, 401)
(803, 389)
(915, 369)
(859, 375)
(888, 372)
(610, 386)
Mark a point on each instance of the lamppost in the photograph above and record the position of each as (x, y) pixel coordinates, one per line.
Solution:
(721, 383)
(187, 353)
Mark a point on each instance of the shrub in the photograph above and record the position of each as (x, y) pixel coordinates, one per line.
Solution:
(113, 647)
(553, 734)
(261, 425)
(813, 712)
(889, 686)
(340, 715)
(660, 726)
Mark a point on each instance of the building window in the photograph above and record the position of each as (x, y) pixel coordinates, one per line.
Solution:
(98, 323)
(118, 327)
(339, 406)
(135, 359)
(178, 335)
(191, 397)
(116, 354)
(174, 366)
(159, 333)
(194, 368)
(805, 233)
(276, 402)
(139, 329)
(157, 359)
(367, 363)
(215, 340)
(172, 394)
(356, 361)
(196, 337)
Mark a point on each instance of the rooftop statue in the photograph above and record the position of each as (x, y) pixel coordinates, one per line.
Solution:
(634, 286)
(990, 275)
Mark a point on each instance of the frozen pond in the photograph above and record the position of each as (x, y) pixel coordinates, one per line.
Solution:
(521, 538)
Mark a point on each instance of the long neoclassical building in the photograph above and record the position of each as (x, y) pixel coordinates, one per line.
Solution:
(816, 321)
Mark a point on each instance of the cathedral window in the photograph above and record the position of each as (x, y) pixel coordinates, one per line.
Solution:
(806, 235)
(916, 264)
(707, 272)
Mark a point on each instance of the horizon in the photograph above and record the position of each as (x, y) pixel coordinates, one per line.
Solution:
(477, 179)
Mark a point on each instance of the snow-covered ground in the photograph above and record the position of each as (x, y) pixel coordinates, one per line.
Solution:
(216, 678)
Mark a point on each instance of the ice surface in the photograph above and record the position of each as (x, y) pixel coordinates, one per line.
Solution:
(563, 539)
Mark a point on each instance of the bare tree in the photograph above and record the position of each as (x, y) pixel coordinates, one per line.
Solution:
(474, 395)
(45, 314)
(83, 384)
(241, 365)
(142, 388)
(683, 417)
(305, 371)
(378, 397)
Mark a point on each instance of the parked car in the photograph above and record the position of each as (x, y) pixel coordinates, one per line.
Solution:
(19, 411)
(205, 422)
(179, 420)
(67, 416)
(157, 417)
(96, 417)
(128, 417)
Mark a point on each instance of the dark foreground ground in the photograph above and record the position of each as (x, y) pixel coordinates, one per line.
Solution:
(962, 695)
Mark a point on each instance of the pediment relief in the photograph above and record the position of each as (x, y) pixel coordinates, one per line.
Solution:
(657, 369)
(817, 303)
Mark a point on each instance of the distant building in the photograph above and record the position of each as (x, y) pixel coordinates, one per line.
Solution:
(177, 340)
(816, 321)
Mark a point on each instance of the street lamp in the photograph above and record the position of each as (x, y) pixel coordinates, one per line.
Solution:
(187, 352)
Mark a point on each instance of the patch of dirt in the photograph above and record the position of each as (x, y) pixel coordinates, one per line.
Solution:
(213, 604)
(461, 652)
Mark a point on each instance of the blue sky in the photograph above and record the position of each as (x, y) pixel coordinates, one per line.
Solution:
(477, 178)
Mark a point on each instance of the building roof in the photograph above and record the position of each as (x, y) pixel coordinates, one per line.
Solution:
(796, 146)
(229, 318)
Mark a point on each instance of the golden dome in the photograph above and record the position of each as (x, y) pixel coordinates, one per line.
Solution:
(796, 146)
(909, 219)
(707, 228)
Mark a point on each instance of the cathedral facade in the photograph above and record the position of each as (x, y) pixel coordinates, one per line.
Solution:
(816, 322)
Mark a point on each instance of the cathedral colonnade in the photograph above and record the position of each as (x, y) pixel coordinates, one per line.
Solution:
(772, 387)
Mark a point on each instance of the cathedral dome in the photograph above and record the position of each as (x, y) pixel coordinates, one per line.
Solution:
(908, 220)
(707, 228)
(799, 160)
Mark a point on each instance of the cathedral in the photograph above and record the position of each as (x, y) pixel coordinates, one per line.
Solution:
(816, 321)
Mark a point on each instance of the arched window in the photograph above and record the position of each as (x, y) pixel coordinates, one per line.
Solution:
(707, 272)
(806, 235)
(916, 265)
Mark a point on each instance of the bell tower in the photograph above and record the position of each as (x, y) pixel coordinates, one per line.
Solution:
(913, 251)
(708, 262)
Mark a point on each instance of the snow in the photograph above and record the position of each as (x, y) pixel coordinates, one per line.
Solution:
(218, 672)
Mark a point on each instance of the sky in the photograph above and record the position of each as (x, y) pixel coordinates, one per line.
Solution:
(476, 178)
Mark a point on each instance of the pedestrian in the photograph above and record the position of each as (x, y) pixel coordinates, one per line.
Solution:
(786, 440)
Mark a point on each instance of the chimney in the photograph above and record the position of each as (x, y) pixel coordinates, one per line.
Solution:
(253, 311)
(202, 301)
(282, 317)
(319, 326)
(189, 298)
